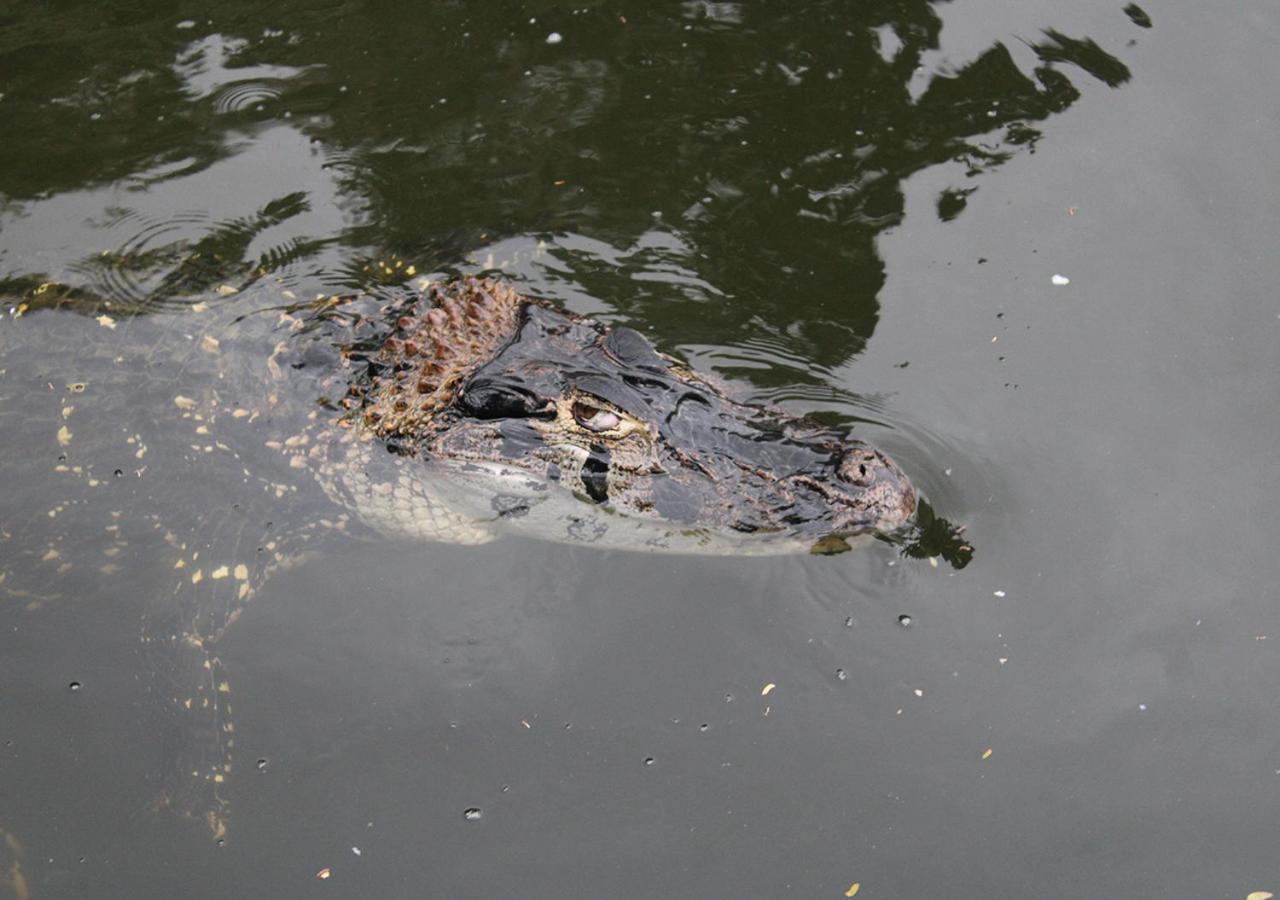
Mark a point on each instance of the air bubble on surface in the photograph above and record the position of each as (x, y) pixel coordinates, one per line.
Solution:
(472, 813)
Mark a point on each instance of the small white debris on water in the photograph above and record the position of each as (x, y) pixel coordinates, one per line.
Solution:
(1060, 280)
(186, 23)
(355, 850)
(918, 692)
(554, 38)
(997, 593)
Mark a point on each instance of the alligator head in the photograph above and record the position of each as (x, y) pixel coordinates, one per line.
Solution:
(503, 391)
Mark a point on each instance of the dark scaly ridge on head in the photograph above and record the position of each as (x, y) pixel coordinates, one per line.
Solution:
(432, 353)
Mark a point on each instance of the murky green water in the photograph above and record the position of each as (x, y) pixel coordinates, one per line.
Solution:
(1029, 252)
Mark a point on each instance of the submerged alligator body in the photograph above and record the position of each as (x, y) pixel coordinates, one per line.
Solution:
(448, 412)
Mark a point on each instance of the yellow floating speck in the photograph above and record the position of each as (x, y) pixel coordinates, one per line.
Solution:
(106, 321)
(241, 572)
(767, 689)
(197, 576)
(220, 572)
(853, 889)
(64, 435)
(986, 754)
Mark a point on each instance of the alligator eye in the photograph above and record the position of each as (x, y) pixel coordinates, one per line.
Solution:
(594, 418)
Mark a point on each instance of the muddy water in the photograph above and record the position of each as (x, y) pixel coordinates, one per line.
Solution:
(1029, 252)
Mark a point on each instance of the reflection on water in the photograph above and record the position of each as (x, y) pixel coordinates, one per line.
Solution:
(716, 174)
(749, 137)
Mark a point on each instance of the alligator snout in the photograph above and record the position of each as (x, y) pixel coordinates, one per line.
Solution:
(885, 497)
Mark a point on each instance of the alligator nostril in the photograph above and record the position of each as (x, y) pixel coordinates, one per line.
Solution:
(858, 467)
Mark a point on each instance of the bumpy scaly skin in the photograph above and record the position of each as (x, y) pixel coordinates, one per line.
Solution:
(433, 352)
(498, 406)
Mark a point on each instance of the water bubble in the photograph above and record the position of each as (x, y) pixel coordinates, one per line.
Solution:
(649, 760)
(262, 764)
(904, 620)
(472, 813)
(703, 727)
(554, 37)
(848, 621)
(505, 788)
(728, 698)
(74, 686)
(118, 473)
(841, 674)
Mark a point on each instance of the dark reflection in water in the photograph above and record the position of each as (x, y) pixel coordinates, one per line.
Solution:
(718, 174)
(754, 132)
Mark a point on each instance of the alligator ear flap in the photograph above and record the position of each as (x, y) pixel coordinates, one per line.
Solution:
(628, 347)
(486, 399)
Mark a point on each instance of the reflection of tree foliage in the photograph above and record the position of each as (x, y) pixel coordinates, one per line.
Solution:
(775, 137)
(933, 536)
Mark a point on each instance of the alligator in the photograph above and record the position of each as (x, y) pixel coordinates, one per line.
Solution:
(452, 411)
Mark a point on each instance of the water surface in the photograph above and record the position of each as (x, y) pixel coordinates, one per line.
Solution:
(852, 210)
